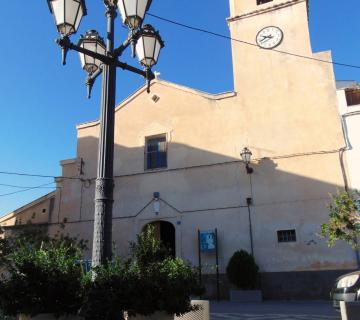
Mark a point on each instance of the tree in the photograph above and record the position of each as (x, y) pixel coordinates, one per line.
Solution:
(344, 219)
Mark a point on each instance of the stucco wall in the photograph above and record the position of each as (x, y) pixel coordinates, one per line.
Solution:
(37, 212)
(284, 110)
(351, 125)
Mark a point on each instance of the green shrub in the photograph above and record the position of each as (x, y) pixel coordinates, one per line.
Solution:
(46, 277)
(41, 278)
(242, 270)
(5, 317)
(149, 281)
(164, 283)
(109, 294)
(344, 219)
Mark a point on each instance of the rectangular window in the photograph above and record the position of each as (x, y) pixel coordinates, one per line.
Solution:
(286, 235)
(352, 97)
(262, 1)
(156, 152)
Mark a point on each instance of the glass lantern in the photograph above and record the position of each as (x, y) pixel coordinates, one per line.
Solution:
(133, 12)
(148, 46)
(67, 14)
(93, 42)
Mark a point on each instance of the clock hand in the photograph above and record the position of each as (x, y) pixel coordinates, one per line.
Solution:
(266, 38)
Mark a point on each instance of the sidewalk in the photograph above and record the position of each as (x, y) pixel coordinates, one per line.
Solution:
(273, 310)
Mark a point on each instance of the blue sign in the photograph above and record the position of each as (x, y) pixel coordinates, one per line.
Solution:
(207, 241)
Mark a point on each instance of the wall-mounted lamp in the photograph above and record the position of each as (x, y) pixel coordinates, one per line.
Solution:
(246, 158)
(156, 202)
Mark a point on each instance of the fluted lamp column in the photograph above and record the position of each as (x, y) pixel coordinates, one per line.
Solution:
(98, 57)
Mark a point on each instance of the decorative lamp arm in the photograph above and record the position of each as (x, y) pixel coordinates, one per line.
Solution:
(90, 80)
(66, 44)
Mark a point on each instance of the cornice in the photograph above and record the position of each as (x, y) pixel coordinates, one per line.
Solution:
(133, 96)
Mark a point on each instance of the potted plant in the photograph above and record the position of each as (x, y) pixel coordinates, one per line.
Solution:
(41, 277)
(242, 271)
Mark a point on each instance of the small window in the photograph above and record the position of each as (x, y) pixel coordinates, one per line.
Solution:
(43, 210)
(33, 216)
(156, 152)
(352, 97)
(259, 2)
(286, 235)
(155, 98)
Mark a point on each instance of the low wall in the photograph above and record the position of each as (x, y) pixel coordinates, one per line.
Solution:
(302, 285)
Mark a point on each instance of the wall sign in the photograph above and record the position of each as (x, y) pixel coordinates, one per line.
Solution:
(207, 241)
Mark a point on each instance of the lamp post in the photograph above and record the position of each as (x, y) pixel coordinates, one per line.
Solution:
(98, 57)
(246, 158)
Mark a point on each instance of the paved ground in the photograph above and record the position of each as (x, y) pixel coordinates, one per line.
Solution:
(279, 310)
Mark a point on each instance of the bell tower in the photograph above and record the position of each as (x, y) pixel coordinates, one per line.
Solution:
(269, 25)
(283, 98)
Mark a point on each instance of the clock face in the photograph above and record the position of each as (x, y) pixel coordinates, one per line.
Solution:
(269, 37)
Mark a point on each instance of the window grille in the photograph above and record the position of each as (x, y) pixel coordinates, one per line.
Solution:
(156, 152)
(286, 235)
(352, 97)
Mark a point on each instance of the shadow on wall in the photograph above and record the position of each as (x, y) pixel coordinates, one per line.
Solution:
(200, 189)
(196, 179)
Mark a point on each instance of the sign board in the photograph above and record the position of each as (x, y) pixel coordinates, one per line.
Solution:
(207, 241)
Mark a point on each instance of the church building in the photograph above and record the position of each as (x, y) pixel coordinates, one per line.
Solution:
(177, 162)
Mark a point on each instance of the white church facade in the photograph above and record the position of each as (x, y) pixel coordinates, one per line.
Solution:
(177, 161)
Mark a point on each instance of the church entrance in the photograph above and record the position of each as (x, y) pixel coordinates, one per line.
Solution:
(165, 232)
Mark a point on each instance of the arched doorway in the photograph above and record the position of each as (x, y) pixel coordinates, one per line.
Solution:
(165, 232)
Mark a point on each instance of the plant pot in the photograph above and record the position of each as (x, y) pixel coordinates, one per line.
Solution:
(245, 296)
(203, 313)
(48, 316)
(159, 315)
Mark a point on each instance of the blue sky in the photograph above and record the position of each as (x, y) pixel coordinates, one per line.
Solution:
(41, 101)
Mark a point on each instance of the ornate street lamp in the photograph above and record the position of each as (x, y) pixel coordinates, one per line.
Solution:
(99, 58)
(133, 12)
(246, 158)
(67, 14)
(93, 42)
(148, 46)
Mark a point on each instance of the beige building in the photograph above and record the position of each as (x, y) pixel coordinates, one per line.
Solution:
(348, 93)
(177, 160)
(38, 212)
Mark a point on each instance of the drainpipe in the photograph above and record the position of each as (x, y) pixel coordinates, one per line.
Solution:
(249, 202)
(347, 147)
(341, 156)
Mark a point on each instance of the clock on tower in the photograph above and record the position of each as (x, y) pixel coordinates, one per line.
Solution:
(270, 24)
